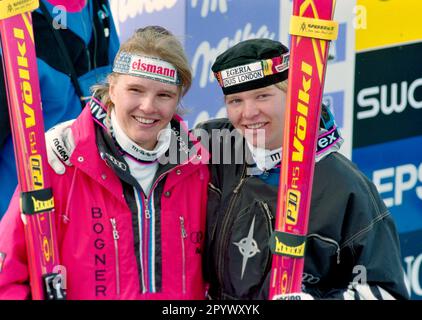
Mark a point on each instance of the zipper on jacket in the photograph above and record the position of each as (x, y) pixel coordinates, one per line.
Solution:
(162, 175)
(330, 241)
(270, 218)
(147, 198)
(139, 198)
(269, 215)
(225, 234)
(145, 241)
(217, 191)
(146, 210)
(183, 237)
(214, 188)
(116, 251)
(147, 214)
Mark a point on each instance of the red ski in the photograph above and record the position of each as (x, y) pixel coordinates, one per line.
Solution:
(311, 29)
(26, 120)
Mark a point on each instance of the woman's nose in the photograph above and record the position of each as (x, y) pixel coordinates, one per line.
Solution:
(249, 110)
(146, 104)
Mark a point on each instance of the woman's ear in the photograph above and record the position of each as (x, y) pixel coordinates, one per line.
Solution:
(112, 87)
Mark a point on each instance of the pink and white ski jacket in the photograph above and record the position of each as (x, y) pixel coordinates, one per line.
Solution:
(114, 242)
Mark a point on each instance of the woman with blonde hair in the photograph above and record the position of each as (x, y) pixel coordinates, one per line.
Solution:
(131, 215)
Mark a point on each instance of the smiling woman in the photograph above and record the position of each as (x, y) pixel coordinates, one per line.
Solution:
(349, 228)
(143, 107)
(136, 211)
(150, 75)
(258, 111)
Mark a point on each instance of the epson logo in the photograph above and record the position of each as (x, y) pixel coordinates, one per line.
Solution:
(413, 272)
(388, 99)
(398, 180)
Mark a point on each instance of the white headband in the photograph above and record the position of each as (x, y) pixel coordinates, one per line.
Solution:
(146, 67)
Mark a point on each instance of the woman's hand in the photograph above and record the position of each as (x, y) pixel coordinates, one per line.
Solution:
(60, 145)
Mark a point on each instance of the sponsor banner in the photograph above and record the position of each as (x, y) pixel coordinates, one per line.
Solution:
(385, 23)
(388, 95)
(211, 28)
(411, 249)
(338, 47)
(396, 170)
(337, 51)
(130, 15)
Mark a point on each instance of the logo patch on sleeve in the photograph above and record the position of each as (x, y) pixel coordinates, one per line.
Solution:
(2, 259)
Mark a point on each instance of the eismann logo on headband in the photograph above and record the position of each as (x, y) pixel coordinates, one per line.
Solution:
(153, 68)
(146, 67)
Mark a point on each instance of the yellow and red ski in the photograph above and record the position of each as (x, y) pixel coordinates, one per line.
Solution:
(311, 29)
(26, 120)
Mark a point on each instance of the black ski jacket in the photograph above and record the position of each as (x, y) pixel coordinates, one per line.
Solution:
(352, 249)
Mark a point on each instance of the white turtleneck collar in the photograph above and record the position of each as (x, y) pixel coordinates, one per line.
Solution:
(133, 149)
(142, 163)
(265, 159)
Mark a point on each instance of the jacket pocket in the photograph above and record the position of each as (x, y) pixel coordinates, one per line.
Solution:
(319, 266)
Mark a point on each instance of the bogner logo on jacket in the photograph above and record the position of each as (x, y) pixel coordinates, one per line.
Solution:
(115, 241)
